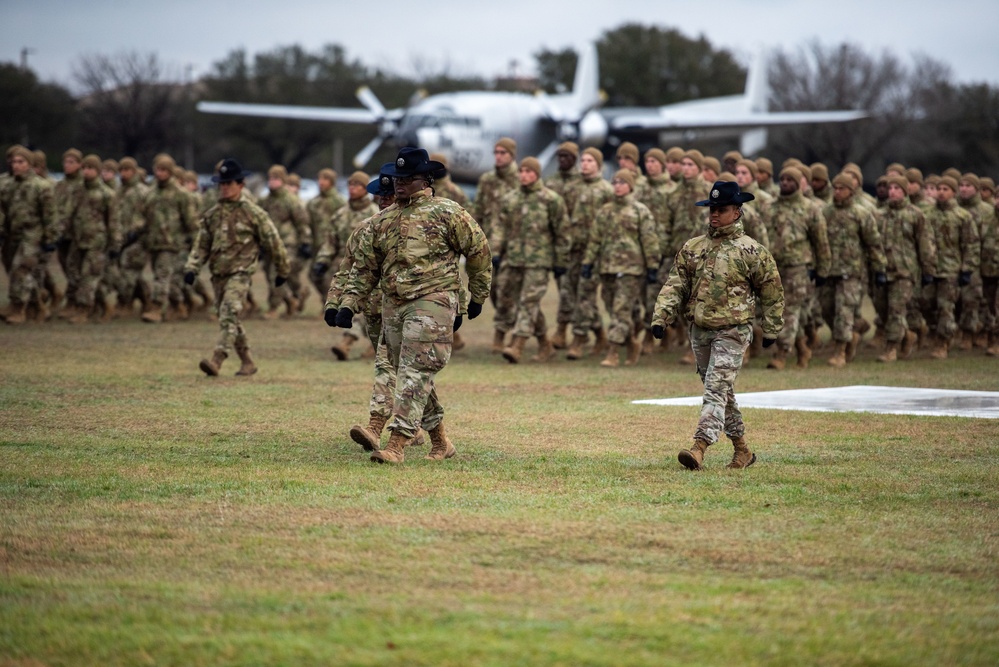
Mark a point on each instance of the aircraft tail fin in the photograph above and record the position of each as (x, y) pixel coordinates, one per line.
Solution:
(757, 84)
(586, 84)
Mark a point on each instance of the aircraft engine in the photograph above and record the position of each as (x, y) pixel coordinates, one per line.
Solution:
(592, 129)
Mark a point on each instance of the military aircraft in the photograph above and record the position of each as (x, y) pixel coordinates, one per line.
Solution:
(464, 126)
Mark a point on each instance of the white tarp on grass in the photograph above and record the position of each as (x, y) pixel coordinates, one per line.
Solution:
(864, 398)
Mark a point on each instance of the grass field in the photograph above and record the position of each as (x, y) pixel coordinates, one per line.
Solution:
(152, 516)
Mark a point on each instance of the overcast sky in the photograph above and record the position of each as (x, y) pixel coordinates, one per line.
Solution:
(482, 38)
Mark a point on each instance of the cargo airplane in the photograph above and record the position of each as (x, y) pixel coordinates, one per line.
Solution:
(464, 126)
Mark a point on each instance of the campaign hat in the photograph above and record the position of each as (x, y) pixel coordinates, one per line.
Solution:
(414, 162)
(724, 193)
(230, 171)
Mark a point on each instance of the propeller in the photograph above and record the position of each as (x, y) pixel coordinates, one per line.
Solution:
(388, 124)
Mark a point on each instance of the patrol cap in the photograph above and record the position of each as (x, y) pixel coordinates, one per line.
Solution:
(626, 175)
(656, 154)
(328, 174)
(229, 171)
(415, 162)
(164, 161)
(712, 163)
(820, 171)
(843, 180)
(793, 172)
(895, 166)
(765, 166)
(19, 151)
(735, 156)
(748, 164)
(696, 156)
(724, 193)
(953, 173)
(949, 181)
(674, 154)
(595, 154)
(507, 144)
(914, 175)
(110, 165)
(128, 163)
(570, 147)
(532, 164)
(91, 161)
(278, 171)
(359, 178)
(627, 150)
(900, 181)
(73, 154)
(971, 179)
(987, 183)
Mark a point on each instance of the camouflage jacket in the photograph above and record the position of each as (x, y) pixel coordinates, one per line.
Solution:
(716, 281)
(413, 248)
(66, 196)
(910, 248)
(445, 187)
(798, 233)
(959, 246)
(624, 239)
(990, 245)
(28, 210)
(289, 217)
(922, 202)
(754, 225)
(169, 216)
(593, 194)
(346, 219)
(95, 224)
(230, 237)
(567, 185)
(490, 190)
(129, 200)
(321, 210)
(854, 240)
(657, 200)
(985, 219)
(685, 220)
(532, 230)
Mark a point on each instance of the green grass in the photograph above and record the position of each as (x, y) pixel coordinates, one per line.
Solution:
(151, 515)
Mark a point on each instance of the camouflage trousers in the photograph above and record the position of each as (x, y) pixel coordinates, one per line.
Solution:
(719, 354)
(504, 298)
(164, 264)
(621, 293)
(970, 305)
(567, 287)
(279, 295)
(132, 262)
(384, 385)
(840, 299)
(797, 288)
(523, 288)
(418, 335)
(21, 259)
(85, 268)
(938, 306)
(892, 302)
(990, 304)
(230, 296)
(586, 316)
(652, 291)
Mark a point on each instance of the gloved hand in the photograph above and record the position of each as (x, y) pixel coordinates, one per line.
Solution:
(280, 280)
(559, 271)
(474, 310)
(767, 342)
(658, 332)
(812, 275)
(329, 316)
(319, 269)
(305, 251)
(113, 255)
(880, 279)
(587, 271)
(64, 243)
(927, 279)
(496, 261)
(964, 278)
(457, 322)
(820, 281)
(131, 238)
(189, 277)
(651, 276)
(49, 247)
(345, 318)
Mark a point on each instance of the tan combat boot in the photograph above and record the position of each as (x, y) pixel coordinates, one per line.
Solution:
(811, 336)
(441, 447)
(211, 366)
(499, 344)
(993, 349)
(369, 437)
(742, 457)
(908, 344)
(693, 458)
(777, 361)
(247, 367)
(939, 350)
(393, 451)
(341, 350)
(154, 313)
(80, 316)
(18, 313)
(967, 340)
(648, 343)
(803, 351)
(634, 350)
(602, 344)
(559, 341)
(838, 359)
(890, 354)
(546, 350)
(575, 350)
(457, 343)
(515, 349)
(612, 359)
(852, 346)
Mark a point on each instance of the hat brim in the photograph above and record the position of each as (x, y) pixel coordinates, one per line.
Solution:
(375, 188)
(740, 198)
(431, 167)
(242, 176)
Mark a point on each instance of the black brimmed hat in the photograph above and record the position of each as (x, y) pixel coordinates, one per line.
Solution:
(724, 193)
(230, 171)
(381, 185)
(414, 162)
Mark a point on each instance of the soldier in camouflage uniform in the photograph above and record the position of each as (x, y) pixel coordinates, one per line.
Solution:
(624, 247)
(490, 190)
(854, 241)
(292, 222)
(531, 236)
(971, 324)
(910, 254)
(821, 185)
(321, 209)
(715, 283)
(134, 255)
(169, 218)
(990, 280)
(594, 192)
(958, 257)
(94, 234)
(65, 196)
(765, 177)
(627, 158)
(334, 246)
(230, 237)
(657, 201)
(445, 187)
(800, 246)
(710, 169)
(28, 227)
(413, 248)
(566, 182)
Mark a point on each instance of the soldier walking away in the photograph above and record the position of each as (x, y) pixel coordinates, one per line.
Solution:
(230, 237)
(716, 281)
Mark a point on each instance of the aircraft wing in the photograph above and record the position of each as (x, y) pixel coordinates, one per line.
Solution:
(328, 114)
(666, 120)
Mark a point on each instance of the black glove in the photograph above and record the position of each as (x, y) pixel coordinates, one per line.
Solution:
(964, 278)
(457, 322)
(305, 251)
(64, 243)
(280, 280)
(189, 277)
(767, 342)
(344, 318)
(939, 279)
(319, 269)
(114, 254)
(812, 275)
(587, 271)
(496, 261)
(927, 279)
(880, 279)
(559, 271)
(474, 310)
(658, 332)
(820, 281)
(49, 247)
(329, 315)
(651, 276)
(131, 238)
